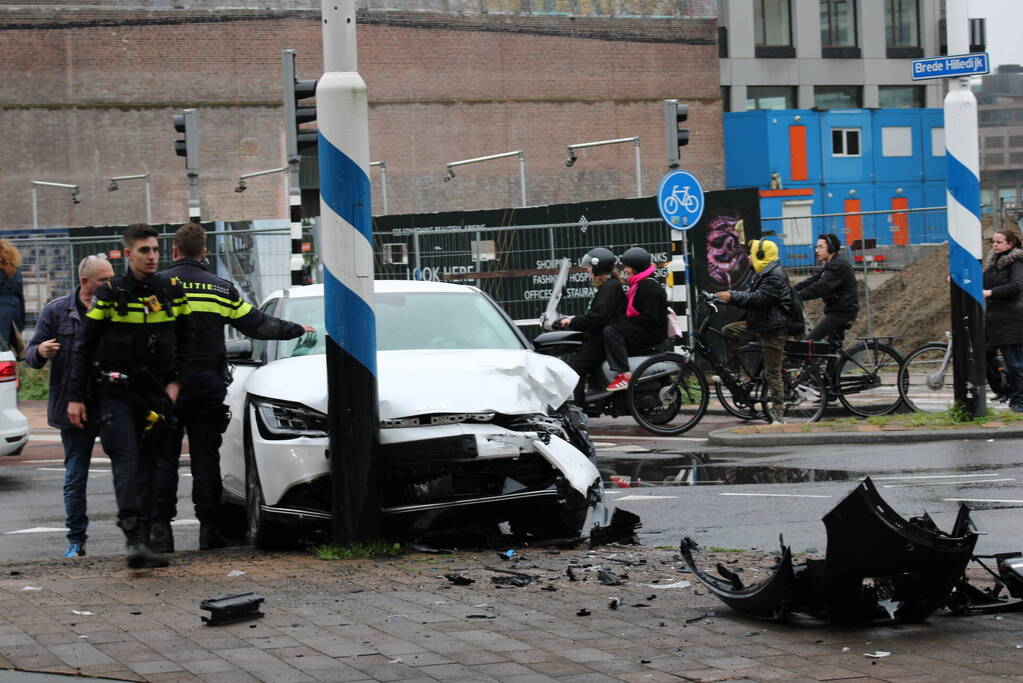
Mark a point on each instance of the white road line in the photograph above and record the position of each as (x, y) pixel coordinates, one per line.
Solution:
(625, 448)
(40, 462)
(943, 483)
(37, 530)
(936, 476)
(654, 438)
(92, 470)
(646, 498)
(776, 495)
(980, 500)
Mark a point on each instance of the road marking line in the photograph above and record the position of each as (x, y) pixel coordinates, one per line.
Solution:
(936, 476)
(39, 462)
(980, 500)
(654, 438)
(625, 448)
(944, 483)
(646, 498)
(61, 469)
(777, 495)
(37, 530)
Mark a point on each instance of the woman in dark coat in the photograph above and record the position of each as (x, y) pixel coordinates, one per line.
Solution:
(1003, 294)
(12, 298)
(646, 317)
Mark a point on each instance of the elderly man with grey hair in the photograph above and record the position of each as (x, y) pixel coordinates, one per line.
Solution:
(54, 338)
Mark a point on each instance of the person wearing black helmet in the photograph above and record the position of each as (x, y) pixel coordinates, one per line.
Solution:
(606, 308)
(835, 283)
(645, 324)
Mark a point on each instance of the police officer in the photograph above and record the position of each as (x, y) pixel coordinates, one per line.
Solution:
(201, 412)
(132, 347)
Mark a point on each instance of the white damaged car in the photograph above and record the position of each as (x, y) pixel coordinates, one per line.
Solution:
(470, 428)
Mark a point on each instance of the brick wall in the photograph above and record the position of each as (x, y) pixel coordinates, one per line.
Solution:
(88, 93)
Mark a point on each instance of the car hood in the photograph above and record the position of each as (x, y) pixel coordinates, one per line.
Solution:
(422, 382)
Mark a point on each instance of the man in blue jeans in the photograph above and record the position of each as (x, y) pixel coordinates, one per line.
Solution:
(54, 339)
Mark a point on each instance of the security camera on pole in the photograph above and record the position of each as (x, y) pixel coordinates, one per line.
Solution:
(963, 201)
(347, 256)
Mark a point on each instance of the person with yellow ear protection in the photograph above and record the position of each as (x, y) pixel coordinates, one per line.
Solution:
(766, 317)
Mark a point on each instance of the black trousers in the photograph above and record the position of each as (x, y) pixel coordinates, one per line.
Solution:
(831, 324)
(200, 414)
(625, 339)
(586, 361)
(132, 458)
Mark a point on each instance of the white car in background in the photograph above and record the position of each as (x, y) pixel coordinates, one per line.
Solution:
(469, 430)
(13, 425)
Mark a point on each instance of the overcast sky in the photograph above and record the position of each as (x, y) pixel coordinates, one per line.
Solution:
(1004, 24)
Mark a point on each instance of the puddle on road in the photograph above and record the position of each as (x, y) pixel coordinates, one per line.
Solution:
(701, 469)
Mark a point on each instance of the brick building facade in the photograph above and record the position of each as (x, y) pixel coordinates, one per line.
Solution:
(88, 90)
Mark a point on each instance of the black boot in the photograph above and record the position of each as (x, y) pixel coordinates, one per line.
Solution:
(210, 537)
(161, 538)
(140, 555)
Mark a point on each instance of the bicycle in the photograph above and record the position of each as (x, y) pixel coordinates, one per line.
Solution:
(678, 199)
(926, 375)
(682, 388)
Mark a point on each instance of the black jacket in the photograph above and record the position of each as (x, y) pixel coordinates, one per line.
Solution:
(607, 308)
(835, 283)
(650, 327)
(763, 299)
(215, 302)
(139, 327)
(1003, 314)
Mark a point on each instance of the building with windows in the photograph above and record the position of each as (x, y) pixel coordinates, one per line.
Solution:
(841, 161)
(1000, 118)
(831, 54)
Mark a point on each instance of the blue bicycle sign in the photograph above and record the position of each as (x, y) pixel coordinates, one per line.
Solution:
(680, 200)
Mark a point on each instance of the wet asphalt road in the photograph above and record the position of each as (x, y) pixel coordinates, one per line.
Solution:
(723, 498)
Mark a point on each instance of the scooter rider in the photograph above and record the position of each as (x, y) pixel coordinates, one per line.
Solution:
(201, 412)
(607, 308)
(835, 283)
(138, 339)
(646, 316)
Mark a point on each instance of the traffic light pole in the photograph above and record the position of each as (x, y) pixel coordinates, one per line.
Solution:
(347, 253)
(291, 138)
(964, 249)
(187, 122)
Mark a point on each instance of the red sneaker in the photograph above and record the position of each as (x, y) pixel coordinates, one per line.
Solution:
(621, 381)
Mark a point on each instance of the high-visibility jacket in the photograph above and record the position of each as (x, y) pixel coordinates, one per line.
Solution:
(138, 327)
(215, 302)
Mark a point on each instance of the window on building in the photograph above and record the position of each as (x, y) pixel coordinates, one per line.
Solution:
(1016, 141)
(770, 97)
(896, 141)
(994, 159)
(994, 142)
(838, 23)
(772, 26)
(902, 23)
(937, 142)
(845, 142)
(838, 96)
(726, 98)
(900, 96)
(1016, 158)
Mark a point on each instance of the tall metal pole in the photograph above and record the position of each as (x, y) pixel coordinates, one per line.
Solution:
(382, 165)
(35, 207)
(639, 171)
(964, 249)
(522, 175)
(149, 204)
(345, 206)
(291, 144)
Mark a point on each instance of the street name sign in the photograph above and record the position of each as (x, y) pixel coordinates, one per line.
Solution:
(950, 66)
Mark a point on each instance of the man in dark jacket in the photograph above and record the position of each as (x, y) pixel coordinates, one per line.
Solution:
(54, 339)
(835, 283)
(201, 412)
(766, 319)
(607, 308)
(133, 347)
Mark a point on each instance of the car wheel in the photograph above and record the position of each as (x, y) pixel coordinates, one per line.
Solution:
(260, 531)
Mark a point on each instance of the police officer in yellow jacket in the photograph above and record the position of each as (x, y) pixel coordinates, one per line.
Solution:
(131, 349)
(200, 412)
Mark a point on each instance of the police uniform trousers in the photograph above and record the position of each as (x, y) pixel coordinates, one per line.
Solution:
(200, 414)
(132, 460)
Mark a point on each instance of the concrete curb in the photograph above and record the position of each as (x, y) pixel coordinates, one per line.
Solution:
(726, 437)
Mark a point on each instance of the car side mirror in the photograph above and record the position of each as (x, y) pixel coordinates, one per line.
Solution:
(239, 352)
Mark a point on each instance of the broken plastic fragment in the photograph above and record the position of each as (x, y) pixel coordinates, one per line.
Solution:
(876, 655)
(31, 588)
(660, 586)
(82, 613)
(236, 572)
(459, 579)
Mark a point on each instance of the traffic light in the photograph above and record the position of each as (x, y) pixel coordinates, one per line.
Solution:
(294, 114)
(675, 137)
(187, 122)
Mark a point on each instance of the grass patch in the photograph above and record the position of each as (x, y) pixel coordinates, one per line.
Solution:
(718, 549)
(35, 384)
(359, 551)
(955, 416)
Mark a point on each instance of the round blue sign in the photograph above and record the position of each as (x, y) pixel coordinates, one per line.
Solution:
(680, 199)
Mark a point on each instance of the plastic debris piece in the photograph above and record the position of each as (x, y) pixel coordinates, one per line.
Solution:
(571, 574)
(480, 616)
(583, 612)
(877, 655)
(511, 581)
(507, 554)
(459, 579)
(82, 613)
(608, 578)
(31, 588)
(613, 603)
(845, 649)
(549, 587)
(236, 572)
(230, 609)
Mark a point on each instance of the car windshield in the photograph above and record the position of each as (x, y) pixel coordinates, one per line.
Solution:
(417, 320)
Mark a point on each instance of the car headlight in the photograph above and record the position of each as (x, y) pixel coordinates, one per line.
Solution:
(281, 420)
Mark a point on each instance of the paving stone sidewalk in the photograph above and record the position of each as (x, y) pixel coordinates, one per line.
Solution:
(399, 619)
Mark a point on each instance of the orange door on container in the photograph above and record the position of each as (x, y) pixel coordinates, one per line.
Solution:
(900, 221)
(853, 224)
(797, 153)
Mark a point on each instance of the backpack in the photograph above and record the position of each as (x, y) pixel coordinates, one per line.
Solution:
(793, 307)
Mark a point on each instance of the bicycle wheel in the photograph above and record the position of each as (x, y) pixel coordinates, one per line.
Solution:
(867, 379)
(667, 394)
(925, 380)
(806, 394)
(744, 407)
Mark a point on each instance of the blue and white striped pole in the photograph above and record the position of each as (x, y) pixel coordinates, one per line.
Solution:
(343, 119)
(964, 250)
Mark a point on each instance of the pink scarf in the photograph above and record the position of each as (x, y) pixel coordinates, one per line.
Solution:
(630, 310)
